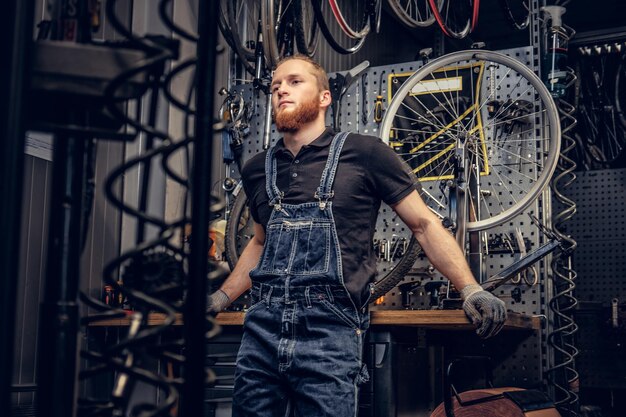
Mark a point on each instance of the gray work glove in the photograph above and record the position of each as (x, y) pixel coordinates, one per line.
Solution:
(217, 302)
(484, 309)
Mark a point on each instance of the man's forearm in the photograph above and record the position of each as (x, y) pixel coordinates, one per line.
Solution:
(239, 279)
(444, 253)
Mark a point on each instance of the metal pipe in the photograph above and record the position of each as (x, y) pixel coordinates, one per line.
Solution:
(16, 28)
(192, 399)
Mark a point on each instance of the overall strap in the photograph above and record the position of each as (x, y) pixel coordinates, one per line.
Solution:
(274, 194)
(324, 191)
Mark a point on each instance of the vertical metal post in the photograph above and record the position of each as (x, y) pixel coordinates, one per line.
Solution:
(16, 22)
(192, 398)
(58, 323)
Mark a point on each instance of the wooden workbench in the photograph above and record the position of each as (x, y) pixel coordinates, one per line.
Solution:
(430, 319)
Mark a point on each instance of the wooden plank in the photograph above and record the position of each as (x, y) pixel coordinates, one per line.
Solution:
(430, 319)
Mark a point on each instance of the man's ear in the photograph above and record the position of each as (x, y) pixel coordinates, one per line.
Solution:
(325, 98)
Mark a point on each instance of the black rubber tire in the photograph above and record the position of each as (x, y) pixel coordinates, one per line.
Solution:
(232, 240)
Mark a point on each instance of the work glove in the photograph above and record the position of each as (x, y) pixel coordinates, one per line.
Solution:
(484, 309)
(217, 302)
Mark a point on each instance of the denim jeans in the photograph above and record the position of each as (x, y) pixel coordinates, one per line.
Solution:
(301, 354)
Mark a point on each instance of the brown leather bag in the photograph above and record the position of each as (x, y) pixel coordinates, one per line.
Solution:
(500, 402)
(491, 402)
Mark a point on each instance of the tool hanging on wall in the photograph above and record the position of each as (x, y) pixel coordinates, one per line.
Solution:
(339, 85)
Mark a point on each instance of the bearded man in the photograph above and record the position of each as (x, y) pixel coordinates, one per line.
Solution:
(314, 198)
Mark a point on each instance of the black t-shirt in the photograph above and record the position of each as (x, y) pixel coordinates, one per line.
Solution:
(369, 171)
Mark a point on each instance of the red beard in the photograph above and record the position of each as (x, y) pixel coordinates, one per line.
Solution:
(293, 120)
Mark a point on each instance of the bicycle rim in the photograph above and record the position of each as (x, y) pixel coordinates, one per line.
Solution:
(277, 26)
(350, 17)
(504, 112)
(413, 13)
(335, 38)
(242, 17)
(456, 18)
(517, 12)
(306, 28)
(620, 91)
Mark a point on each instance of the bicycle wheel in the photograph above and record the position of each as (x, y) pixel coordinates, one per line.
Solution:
(620, 91)
(393, 262)
(239, 228)
(239, 25)
(351, 16)
(306, 27)
(413, 13)
(506, 117)
(277, 26)
(517, 12)
(333, 34)
(457, 18)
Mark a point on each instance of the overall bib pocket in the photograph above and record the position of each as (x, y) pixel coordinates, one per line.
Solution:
(296, 247)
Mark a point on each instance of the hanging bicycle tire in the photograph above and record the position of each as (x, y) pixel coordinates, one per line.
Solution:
(504, 114)
(306, 27)
(335, 37)
(277, 27)
(413, 14)
(401, 254)
(517, 12)
(456, 18)
(239, 14)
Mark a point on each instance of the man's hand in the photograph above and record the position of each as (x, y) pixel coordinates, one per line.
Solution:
(217, 302)
(484, 310)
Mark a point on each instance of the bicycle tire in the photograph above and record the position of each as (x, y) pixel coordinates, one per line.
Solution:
(306, 27)
(328, 35)
(502, 192)
(276, 26)
(447, 20)
(346, 27)
(238, 222)
(238, 233)
(620, 91)
(227, 20)
(519, 21)
(389, 281)
(411, 16)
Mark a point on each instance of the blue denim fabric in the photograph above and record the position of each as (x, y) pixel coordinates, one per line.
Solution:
(301, 352)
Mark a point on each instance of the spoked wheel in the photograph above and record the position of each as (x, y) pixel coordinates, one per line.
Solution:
(414, 13)
(504, 115)
(277, 26)
(457, 18)
(517, 12)
(354, 18)
(396, 253)
(239, 25)
(306, 27)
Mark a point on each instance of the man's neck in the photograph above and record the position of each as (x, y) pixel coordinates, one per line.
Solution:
(294, 141)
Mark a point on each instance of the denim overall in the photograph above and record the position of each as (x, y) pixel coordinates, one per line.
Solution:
(301, 352)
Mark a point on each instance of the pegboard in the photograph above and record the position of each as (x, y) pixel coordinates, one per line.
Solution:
(599, 227)
(390, 227)
(356, 114)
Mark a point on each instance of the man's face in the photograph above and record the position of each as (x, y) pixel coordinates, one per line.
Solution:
(296, 96)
